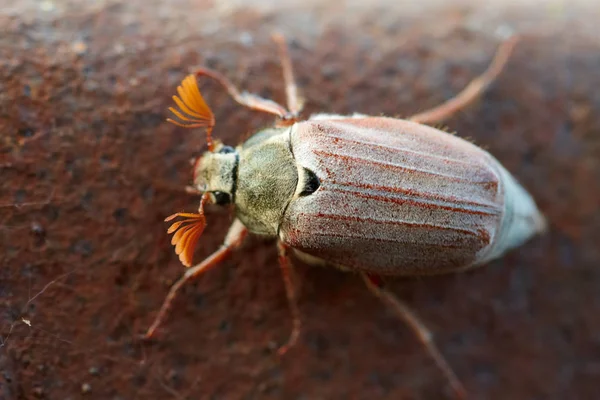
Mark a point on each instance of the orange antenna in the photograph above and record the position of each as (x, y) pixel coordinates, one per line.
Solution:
(187, 232)
(193, 111)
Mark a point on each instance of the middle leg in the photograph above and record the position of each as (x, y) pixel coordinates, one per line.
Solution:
(290, 290)
(294, 102)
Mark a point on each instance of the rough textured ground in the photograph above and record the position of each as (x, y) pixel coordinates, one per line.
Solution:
(89, 169)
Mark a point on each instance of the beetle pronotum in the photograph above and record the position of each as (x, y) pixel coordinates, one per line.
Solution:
(378, 196)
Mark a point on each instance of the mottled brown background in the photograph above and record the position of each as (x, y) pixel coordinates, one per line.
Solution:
(89, 169)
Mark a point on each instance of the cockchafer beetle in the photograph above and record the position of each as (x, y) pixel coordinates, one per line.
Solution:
(378, 196)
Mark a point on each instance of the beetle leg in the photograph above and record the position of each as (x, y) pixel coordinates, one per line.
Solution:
(287, 272)
(473, 90)
(294, 102)
(234, 238)
(375, 285)
(246, 99)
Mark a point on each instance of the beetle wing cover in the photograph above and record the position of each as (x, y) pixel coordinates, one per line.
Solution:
(395, 197)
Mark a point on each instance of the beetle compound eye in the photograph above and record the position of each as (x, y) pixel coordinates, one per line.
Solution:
(222, 198)
(311, 183)
(226, 150)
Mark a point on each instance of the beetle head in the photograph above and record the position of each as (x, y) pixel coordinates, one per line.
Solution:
(215, 174)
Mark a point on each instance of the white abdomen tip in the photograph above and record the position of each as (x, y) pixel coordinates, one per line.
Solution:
(522, 219)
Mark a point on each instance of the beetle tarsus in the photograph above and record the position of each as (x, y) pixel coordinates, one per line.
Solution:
(235, 236)
(290, 290)
(472, 91)
(405, 313)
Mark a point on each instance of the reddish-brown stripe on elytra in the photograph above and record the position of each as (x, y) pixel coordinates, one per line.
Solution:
(480, 235)
(359, 218)
(345, 141)
(390, 166)
(362, 236)
(346, 187)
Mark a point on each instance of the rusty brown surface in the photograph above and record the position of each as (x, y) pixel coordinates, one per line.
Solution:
(89, 169)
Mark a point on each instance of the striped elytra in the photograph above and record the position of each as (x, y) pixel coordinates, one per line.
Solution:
(400, 198)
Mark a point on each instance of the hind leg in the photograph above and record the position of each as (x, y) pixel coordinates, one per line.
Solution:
(473, 90)
(409, 317)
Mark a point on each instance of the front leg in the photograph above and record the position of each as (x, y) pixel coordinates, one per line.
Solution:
(235, 236)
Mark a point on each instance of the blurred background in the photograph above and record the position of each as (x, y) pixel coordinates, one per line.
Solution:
(89, 170)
